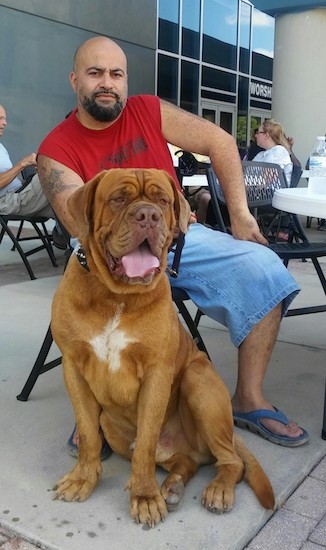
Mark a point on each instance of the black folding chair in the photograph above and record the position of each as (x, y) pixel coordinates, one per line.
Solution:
(38, 223)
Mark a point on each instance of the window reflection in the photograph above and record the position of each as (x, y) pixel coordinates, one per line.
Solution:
(209, 52)
(212, 78)
(262, 45)
(220, 32)
(189, 86)
(169, 26)
(245, 15)
(243, 99)
(226, 120)
(190, 28)
(167, 84)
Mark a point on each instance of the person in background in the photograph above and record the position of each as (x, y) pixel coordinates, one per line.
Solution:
(14, 197)
(253, 149)
(232, 278)
(276, 149)
(17, 198)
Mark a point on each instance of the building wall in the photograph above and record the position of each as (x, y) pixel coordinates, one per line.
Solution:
(38, 39)
(299, 80)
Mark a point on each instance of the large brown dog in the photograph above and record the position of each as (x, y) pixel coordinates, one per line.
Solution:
(129, 365)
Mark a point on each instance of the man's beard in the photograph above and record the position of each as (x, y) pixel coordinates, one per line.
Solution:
(102, 113)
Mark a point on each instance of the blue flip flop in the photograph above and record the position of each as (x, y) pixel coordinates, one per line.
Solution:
(72, 448)
(252, 422)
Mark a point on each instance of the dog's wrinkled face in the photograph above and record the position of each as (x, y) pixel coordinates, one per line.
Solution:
(126, 218)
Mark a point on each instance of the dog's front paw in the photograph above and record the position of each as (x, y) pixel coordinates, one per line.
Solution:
(148, 510)
(218, 497)
(76, 485)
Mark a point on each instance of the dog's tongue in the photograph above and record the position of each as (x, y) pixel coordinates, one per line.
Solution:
(140, 262)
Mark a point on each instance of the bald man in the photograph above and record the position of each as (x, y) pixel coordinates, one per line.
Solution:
(234, 279)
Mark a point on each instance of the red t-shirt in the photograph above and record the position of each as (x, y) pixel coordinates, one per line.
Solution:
(135, 140)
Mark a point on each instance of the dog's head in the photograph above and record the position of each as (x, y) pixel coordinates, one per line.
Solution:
(126, 219)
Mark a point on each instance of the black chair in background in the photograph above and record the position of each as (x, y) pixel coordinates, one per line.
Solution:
(261, 181)
(38, 224)
(260, 187)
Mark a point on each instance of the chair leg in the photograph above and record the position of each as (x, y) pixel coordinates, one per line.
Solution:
(45, 238)
(22, 254)
(323, 432)
(191, 326)
(40, 366)
(18, 233)
(198, 316)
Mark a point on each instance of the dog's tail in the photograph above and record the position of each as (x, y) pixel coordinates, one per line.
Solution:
(255, 476)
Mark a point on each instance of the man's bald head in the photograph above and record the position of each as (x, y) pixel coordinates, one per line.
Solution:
(91, 46)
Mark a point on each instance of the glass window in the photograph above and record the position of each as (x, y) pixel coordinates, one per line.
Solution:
(168, 25)
(209, 114)
(242, 118)
(226, 121)
(220, 32)
(167, 80)
(262, 45)
(189, 86)
(255, 122)
(190, 28)
(217, 96)
(221, 80)
(243, 95)
(245, 15)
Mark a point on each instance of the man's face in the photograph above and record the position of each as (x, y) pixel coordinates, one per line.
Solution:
(3, 120)
(100, 81)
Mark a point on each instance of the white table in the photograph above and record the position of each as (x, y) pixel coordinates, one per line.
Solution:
(198, 180)
(301, 201)
(305, 174)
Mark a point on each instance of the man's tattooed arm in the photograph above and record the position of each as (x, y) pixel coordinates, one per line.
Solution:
(54, 183)
(59, 183)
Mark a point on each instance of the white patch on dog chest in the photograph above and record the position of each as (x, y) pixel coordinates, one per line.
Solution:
(108, 345)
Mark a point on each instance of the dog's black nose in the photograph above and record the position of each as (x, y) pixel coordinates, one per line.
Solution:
(147, 216)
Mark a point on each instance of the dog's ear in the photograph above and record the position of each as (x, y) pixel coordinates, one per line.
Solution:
(80, 206)
(181, 209)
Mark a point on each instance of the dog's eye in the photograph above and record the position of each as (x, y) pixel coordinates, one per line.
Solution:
(164, 202)
(117, 201)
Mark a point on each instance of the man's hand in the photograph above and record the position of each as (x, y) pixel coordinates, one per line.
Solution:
(193, 218)
(245, 228)
(30, 160)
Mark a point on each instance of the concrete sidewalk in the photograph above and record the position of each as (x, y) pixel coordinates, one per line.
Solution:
(34, 433)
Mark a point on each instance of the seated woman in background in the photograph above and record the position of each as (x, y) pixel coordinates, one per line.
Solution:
(273, 146)
(270, 136)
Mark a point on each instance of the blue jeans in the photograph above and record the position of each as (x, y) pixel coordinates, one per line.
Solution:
(237, 283)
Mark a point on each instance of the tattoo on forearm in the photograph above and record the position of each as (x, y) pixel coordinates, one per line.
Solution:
(53, 184)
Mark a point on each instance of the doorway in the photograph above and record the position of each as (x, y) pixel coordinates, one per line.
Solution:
(219, 113)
